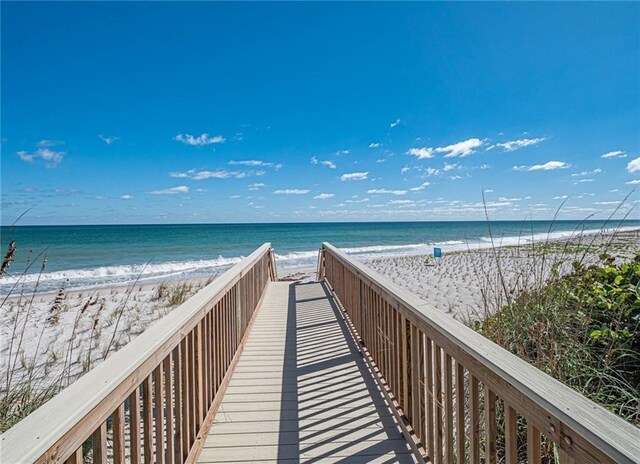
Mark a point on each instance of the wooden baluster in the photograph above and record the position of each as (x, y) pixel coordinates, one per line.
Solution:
(437, 380)
(134, 426)
(158, 406)
(415, 382)
(168, 401)
(76, 457)
(199, 376)
(147, 419)
(422, 388)
(490, 425)
(100, 444)
(448, 409)
(510, 435)
(460, 415)
(533, 444)
(118, 435)
(404, 348)
(177, 382)
(429, 369)
(474, 412)
(186, 399)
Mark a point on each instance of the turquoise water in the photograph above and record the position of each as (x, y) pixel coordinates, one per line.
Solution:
(98, 255)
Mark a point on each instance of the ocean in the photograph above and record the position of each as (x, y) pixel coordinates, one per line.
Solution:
(86, 256)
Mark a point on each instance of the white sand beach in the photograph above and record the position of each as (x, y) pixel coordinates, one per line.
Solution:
(54, 338)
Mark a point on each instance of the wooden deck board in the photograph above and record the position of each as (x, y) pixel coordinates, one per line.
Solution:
(301, 391)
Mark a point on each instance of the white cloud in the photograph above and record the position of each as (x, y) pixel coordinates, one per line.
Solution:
(455, 177)
(421, 153)
(171, 191)
(634, 165)
(395, 123)
(324, 196)
(422, 186)
(586, 173)
(202, 139)
(108, 140)
(127, 197)
(431, 171)
(342, 152)
(461, 149)
(449, 167)
(256, 163)
(402, 202)
(548, 166)
(235, 197)
(633, 182)
(514, 145)
(51, 158)
(291, 192)
(614, 154)
(582, 181)
(404, 170)
(354, 176)
(256, 186)
(488, 191)
(217, 174)
(561, 197)
(329, 164)
(375, 145)
(49, 143)
(386, 191)
(607, 202)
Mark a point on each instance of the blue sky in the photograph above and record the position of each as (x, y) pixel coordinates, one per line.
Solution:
(212, 112)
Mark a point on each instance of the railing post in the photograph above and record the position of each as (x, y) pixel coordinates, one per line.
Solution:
(273, 270)
(320, 270)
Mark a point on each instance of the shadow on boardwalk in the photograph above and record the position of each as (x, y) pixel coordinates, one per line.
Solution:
(302, 391)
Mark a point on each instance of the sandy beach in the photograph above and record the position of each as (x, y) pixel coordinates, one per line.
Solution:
(467, 284)
(54, 337)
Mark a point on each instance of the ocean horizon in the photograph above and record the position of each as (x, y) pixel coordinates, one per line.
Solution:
(84, 256)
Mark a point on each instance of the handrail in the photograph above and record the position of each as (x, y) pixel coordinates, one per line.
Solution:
(156, 396)
(426, 357)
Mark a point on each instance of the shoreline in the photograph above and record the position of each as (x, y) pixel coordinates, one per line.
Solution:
(363, 253)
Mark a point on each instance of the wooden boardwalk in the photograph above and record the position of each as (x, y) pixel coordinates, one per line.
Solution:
(301, 391)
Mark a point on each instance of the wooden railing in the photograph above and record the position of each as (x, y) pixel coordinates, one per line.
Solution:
(461, 397)
(153, 400)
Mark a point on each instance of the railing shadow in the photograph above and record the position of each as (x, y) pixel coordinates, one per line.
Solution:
(342, 414)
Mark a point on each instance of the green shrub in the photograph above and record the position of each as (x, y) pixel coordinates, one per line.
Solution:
(582, 329)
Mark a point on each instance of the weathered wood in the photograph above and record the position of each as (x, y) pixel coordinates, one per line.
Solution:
(134, 426)
(510, 435)
(583, 430)
(119, 455)
(490, 426)
(460, 415)
(100, 444)
(533, 445)
(158, 410)
(448, 409)
(56, 430)
(76, 458)
(325, 406)
(147, 419)
(474, 422)
(168, 413)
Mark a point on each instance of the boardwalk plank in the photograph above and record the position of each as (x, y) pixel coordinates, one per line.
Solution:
(301, 391)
